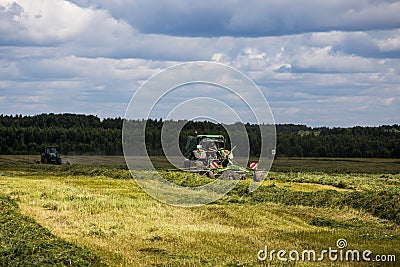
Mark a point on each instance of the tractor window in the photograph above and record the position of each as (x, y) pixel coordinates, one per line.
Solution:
(210, 144)
(205, 143)
(220, 145)
(51, 150)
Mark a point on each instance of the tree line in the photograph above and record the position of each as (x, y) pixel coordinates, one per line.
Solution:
(77, 134)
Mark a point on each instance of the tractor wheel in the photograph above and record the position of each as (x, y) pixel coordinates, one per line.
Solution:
(257, 176)
(186, 164)
(211, 174)
(45, 161)
(225, 163)
(228, 175)
(58, 161)
(199, 165)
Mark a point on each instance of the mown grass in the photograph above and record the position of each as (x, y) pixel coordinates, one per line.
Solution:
(337, 165)
(23, 242)
(103, 209)
(117, 221)
(374, 193)
(384, 203)
(282, 165)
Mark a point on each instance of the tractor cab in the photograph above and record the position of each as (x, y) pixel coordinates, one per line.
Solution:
(210, 147)
(211, 144)
(206, 144)
(207, 148)
(51, 150)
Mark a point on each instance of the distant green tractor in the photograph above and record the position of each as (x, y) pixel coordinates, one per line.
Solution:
(50, 155)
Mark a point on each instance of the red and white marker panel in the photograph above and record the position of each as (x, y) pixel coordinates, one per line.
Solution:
(214, 165)
(253, 165)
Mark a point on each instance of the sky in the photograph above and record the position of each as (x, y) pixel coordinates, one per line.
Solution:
(332, 63)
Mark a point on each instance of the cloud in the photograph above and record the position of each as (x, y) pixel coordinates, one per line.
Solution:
(391, 44)
(326, 60)
(388, 101)
(33, 22)
(382, 44)
(252, 19)
(317, 62)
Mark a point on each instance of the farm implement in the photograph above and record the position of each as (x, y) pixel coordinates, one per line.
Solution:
(207, 154)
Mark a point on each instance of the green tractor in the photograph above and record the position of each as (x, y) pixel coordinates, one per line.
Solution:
(50, 155)
(207, 154)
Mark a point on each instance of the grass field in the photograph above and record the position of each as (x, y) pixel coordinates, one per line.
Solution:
(93, 213)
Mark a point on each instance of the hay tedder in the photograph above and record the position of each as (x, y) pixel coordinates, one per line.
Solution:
(207, 154)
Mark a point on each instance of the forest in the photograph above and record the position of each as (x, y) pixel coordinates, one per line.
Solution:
(78, 134)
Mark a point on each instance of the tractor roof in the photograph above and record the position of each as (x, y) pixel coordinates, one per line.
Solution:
(215, 136)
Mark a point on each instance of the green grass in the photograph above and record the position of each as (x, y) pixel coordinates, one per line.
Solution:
(384, 203)
(338, 165)
(294, 165)
(23, 242)
(100, 208)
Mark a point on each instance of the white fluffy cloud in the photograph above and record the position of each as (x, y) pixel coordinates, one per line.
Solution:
(54, 22)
